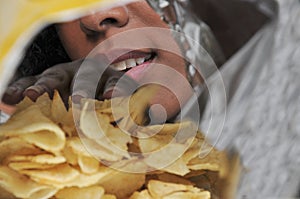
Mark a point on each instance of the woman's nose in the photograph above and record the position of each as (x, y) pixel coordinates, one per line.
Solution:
(103, 20)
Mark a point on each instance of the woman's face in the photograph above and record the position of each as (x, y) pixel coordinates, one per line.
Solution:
(144, 64)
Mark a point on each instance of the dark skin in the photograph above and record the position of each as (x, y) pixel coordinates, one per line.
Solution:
(59, 77)
(81, 36)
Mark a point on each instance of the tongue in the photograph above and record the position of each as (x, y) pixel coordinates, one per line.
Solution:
(137, 73)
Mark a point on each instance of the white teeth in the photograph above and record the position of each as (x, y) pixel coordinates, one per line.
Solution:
(140, 60)
(120, 65)
(130, 63)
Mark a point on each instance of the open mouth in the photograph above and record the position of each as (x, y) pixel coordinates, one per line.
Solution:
(134, 64)
(131, 60)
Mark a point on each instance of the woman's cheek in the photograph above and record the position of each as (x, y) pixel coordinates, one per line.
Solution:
(73, 40)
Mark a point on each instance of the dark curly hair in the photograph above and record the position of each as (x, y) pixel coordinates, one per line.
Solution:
(45, 51)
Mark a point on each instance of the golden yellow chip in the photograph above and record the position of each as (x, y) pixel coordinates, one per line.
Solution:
(167, 177)
(88, 165)
(75, 144)
(56, 176)
(154, 143)
(52, 139)
(22, 187)
(24, 104)
(37, 129)
(77, 154)
(114, 108)
(163, 129)
(158, 189)
(132, 165)
(188, 195)
(63, 176)
(177, 167)
(39, 158)
(102, 152)
(164, 158)
(70, 155)
(213, 161)
(40, 147)
(58, 109)
(85, 180)
(98, 128)
(15, 145)
(92, 192)
(18, 166)
(122, 184)
(109, 196)
(141, 195)
(157, 136)
(193, 151)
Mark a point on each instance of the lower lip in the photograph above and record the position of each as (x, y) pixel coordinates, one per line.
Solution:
(137, 73)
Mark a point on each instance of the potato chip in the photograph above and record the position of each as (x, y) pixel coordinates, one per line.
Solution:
(98, 128)
(114, 108)
(70, 155)
(213, 161)
(158, 189)
(163, 129)
(40, 147)
(75, 144)
(56, 176)
(132, 165)
(85, 180)
(177, 167)
(51, 140)
(154, 143)
(18, 166)
(122, 184)
(188, 195)
(88, 165)
(24, 104)
(58, 109)
(167, 177)
(164, 158)
(15, 145)
(63, 176)
(92, 192)
(40, 158)
(103, 153)
(77, 154)
(193, 150)
(109, 196)
(141, 195)
(119, 138)
(155, 137)
(44, 102)
(23, 187)
(37, 129)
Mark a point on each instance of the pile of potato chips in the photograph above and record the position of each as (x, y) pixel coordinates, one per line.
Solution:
(104, 150)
